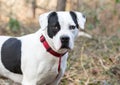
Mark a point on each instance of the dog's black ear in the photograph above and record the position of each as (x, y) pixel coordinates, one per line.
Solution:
(81, 19)
(43, 20)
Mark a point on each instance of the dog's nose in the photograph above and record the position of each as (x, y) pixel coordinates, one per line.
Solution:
(64, 39)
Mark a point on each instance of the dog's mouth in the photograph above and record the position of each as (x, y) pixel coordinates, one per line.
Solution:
(65, 47)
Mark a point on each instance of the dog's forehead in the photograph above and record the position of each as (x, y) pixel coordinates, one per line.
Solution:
(65, 18)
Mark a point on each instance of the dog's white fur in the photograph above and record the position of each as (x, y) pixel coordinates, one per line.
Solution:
(39, 66)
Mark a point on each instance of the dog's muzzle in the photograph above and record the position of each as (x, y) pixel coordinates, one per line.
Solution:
(65, 42)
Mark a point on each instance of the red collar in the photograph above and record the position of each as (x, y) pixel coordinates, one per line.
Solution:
(51, 51)
(48, 48)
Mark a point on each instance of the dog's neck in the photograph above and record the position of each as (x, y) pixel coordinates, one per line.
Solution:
(49, 40)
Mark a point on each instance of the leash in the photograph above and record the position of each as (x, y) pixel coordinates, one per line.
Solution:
(51, 51)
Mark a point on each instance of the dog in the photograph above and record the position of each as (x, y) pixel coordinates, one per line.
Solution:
(41, 58)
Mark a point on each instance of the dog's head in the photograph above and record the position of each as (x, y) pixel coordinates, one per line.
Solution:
(62, 28)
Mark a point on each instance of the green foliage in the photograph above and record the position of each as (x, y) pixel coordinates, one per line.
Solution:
(14, 24)
(103, 30)
(118, 29)
(117, 1)
(90, 26)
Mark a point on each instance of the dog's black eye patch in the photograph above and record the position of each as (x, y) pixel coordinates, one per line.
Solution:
(74, 17)
(11, 55)
(53, 24)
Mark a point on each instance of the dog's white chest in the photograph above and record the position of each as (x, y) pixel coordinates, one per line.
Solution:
(49, 71)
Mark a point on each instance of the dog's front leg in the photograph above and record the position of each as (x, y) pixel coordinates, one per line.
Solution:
(28, 81)
(29, 76)
(62, 71)
(58, 78)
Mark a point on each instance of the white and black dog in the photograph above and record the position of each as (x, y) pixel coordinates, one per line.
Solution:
(41, 57)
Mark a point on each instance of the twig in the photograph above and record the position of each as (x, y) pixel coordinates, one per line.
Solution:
(101, 62)
(85, 72)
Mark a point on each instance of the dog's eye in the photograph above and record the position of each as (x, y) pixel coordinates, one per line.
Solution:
(72, 27)
(55, 27)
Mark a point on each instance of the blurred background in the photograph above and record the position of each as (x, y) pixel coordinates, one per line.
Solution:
(94, 61)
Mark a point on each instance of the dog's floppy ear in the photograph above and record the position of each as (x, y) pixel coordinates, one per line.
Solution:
(43, 20)
(81, 19)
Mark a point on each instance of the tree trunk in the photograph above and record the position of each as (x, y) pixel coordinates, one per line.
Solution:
(61, 4)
